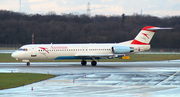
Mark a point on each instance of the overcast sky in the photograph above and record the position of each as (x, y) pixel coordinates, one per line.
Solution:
(158, 8)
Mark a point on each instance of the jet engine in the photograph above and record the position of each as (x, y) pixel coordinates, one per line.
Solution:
(122, 49)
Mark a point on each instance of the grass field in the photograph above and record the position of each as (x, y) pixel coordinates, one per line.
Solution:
(10, 80)
(133, 57)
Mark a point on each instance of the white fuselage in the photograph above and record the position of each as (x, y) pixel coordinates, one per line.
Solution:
(71, 51)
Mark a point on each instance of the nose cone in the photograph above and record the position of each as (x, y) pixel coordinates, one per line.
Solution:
(14, 55)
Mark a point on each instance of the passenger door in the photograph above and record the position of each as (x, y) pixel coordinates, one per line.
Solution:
(33, 52)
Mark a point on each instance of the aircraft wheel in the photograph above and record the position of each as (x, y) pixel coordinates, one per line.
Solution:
(83, 62)
(93, 63)
(28, 63)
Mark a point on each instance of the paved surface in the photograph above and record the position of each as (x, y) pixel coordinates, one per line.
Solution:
(122, 79)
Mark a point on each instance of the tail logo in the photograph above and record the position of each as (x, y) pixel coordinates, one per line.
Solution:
(44, 49)
(145, 35)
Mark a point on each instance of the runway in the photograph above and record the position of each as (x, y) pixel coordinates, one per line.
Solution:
(107, 79)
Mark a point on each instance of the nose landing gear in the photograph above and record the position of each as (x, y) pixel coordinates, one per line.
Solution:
(28, 63)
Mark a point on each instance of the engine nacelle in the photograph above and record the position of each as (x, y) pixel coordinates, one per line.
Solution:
(122, 49)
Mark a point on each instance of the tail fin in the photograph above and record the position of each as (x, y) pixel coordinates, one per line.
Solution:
(145, 35)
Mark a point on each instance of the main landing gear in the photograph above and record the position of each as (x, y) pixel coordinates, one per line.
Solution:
(93, 63)
(83, 62)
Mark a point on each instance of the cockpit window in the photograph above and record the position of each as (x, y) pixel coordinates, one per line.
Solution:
(23, 49)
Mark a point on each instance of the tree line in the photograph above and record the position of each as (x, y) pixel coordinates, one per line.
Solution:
(17, 28)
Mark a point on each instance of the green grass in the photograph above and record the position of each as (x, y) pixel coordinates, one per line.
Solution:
(133, 57)
(10, 80)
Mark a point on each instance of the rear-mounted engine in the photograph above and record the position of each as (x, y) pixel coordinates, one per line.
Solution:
(122, 49)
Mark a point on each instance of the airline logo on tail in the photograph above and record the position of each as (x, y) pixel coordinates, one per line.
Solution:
(145, 35)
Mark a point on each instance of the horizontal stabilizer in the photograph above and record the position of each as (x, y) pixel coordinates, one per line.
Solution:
(158, 28)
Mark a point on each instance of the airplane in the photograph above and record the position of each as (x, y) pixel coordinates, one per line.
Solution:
(88, 51)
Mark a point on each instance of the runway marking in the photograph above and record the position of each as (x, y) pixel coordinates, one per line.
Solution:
(175, 73)
(172, 75)
(168, 77)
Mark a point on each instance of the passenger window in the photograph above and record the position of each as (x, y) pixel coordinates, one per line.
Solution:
(20, 49)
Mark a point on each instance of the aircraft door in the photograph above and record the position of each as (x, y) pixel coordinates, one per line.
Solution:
(33, 52)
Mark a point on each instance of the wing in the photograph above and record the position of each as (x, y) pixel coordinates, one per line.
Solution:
(99, 56)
